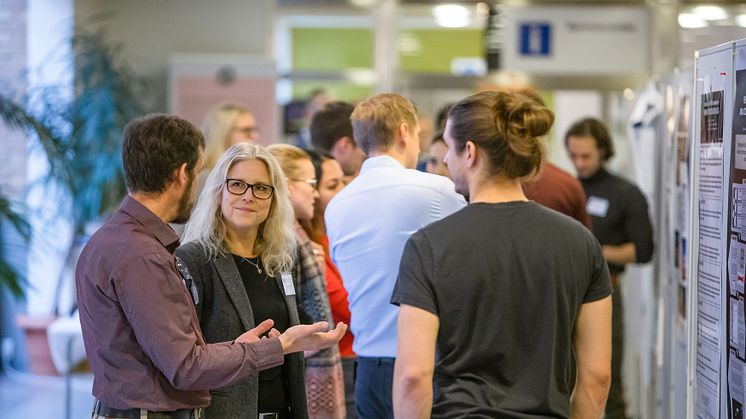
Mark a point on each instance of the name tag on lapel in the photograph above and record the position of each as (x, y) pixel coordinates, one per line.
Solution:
(597, 207)
(287, 283)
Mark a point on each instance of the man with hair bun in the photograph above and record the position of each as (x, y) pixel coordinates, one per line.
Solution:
(553, 187)
(505, 290)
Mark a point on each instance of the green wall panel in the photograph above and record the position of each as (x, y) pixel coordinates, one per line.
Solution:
(332, 48)
(431, 50)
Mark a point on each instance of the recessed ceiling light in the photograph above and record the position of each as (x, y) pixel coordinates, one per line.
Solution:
(741, 20)
(452, 15)
(710, 12)
(690, 20)
(629, 94)
(364, 3)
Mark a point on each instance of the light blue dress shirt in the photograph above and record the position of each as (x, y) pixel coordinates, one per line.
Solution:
(368, 224)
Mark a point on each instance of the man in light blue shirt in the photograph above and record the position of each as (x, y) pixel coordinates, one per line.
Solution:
(369, 222)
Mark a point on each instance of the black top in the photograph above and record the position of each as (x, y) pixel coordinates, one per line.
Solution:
(619, 214)
(506, 282)
(267, 302)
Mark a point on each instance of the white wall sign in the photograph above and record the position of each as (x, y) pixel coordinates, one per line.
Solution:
(574, 40)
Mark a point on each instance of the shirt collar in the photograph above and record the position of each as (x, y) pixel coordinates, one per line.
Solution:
(159, 229)
(380, 161)
(599, 175)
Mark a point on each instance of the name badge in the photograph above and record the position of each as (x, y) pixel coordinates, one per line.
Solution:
(597, 207)
(287, 283)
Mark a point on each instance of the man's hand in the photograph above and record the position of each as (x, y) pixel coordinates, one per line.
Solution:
(255, 334)
(311, 337)
(621, 254)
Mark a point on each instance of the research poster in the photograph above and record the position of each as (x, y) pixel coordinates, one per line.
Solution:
(681, 225)
(712, 144)
(709, 256)
(736, 266)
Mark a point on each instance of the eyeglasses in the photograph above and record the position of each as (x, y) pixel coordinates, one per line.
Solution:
(247, 131)
(312, 182)
(259, 190)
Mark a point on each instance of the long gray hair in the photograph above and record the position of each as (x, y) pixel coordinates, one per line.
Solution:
(275, 242)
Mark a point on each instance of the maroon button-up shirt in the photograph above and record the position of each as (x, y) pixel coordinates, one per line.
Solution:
(141, 332)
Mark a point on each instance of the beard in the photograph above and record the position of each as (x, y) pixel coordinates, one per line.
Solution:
(461, 184)
(186, 203)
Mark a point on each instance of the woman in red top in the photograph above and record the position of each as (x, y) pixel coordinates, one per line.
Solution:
(330, 176)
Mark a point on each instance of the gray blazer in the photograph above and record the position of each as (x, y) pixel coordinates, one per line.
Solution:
(224, 313)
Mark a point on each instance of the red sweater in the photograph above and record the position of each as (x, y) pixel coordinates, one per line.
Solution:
(338, 300)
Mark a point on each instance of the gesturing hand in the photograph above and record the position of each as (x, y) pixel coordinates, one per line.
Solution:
(255, 334)
(311, 337)
(318, 253)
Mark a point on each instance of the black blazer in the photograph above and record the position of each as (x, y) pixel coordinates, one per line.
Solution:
(224, 313)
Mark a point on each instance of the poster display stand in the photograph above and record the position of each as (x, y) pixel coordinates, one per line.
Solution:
(735, 338)
(716, 312)
(673, 242)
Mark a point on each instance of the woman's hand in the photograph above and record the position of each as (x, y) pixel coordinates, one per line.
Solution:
(319, 254)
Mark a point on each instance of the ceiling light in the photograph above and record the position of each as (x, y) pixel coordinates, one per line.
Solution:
(451, 15)
(710, 12)
(741, 20)
(629, 94)
(690, 20)
(364, 3)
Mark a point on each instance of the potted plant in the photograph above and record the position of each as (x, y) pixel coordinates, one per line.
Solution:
(81, 139)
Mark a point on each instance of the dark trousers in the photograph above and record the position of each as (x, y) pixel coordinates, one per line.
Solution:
(374, 379)
(615, 406)
(348, 368)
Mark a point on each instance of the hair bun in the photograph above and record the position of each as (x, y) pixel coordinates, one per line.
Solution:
(529, 118)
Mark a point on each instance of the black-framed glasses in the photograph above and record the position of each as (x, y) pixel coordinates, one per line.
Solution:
(312, 182)
(259, 190)
(247, 131)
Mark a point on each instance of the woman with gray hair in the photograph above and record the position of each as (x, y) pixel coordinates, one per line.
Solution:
(239, 251)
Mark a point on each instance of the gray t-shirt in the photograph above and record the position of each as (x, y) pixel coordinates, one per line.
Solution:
(506, 282)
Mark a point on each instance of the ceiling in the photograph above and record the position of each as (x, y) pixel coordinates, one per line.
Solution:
(310, 3)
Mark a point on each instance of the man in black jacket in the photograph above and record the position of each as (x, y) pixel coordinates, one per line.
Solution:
(620, 222)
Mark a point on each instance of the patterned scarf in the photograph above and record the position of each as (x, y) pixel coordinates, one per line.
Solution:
(324, 376)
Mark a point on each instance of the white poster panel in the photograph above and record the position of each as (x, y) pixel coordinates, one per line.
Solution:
(713, 92)
(736, 335)
(673, 246)
(577, 40)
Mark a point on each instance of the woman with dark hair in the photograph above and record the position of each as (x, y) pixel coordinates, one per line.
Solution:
(435, 154)
(324, 375)
(331, 180)
(505, 290)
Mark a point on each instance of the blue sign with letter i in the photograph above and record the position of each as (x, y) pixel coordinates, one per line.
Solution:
(536, 39)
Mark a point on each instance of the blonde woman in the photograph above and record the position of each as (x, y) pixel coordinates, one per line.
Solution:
(240, 249)
(324, 376)
(225, 124)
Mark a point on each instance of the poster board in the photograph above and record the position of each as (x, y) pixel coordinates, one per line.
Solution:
(736, 265)
(711, 150)
(673, 242)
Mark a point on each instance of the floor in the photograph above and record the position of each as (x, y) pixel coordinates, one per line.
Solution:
(25, 396)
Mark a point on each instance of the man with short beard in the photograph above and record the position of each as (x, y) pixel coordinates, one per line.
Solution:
(140, 328)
